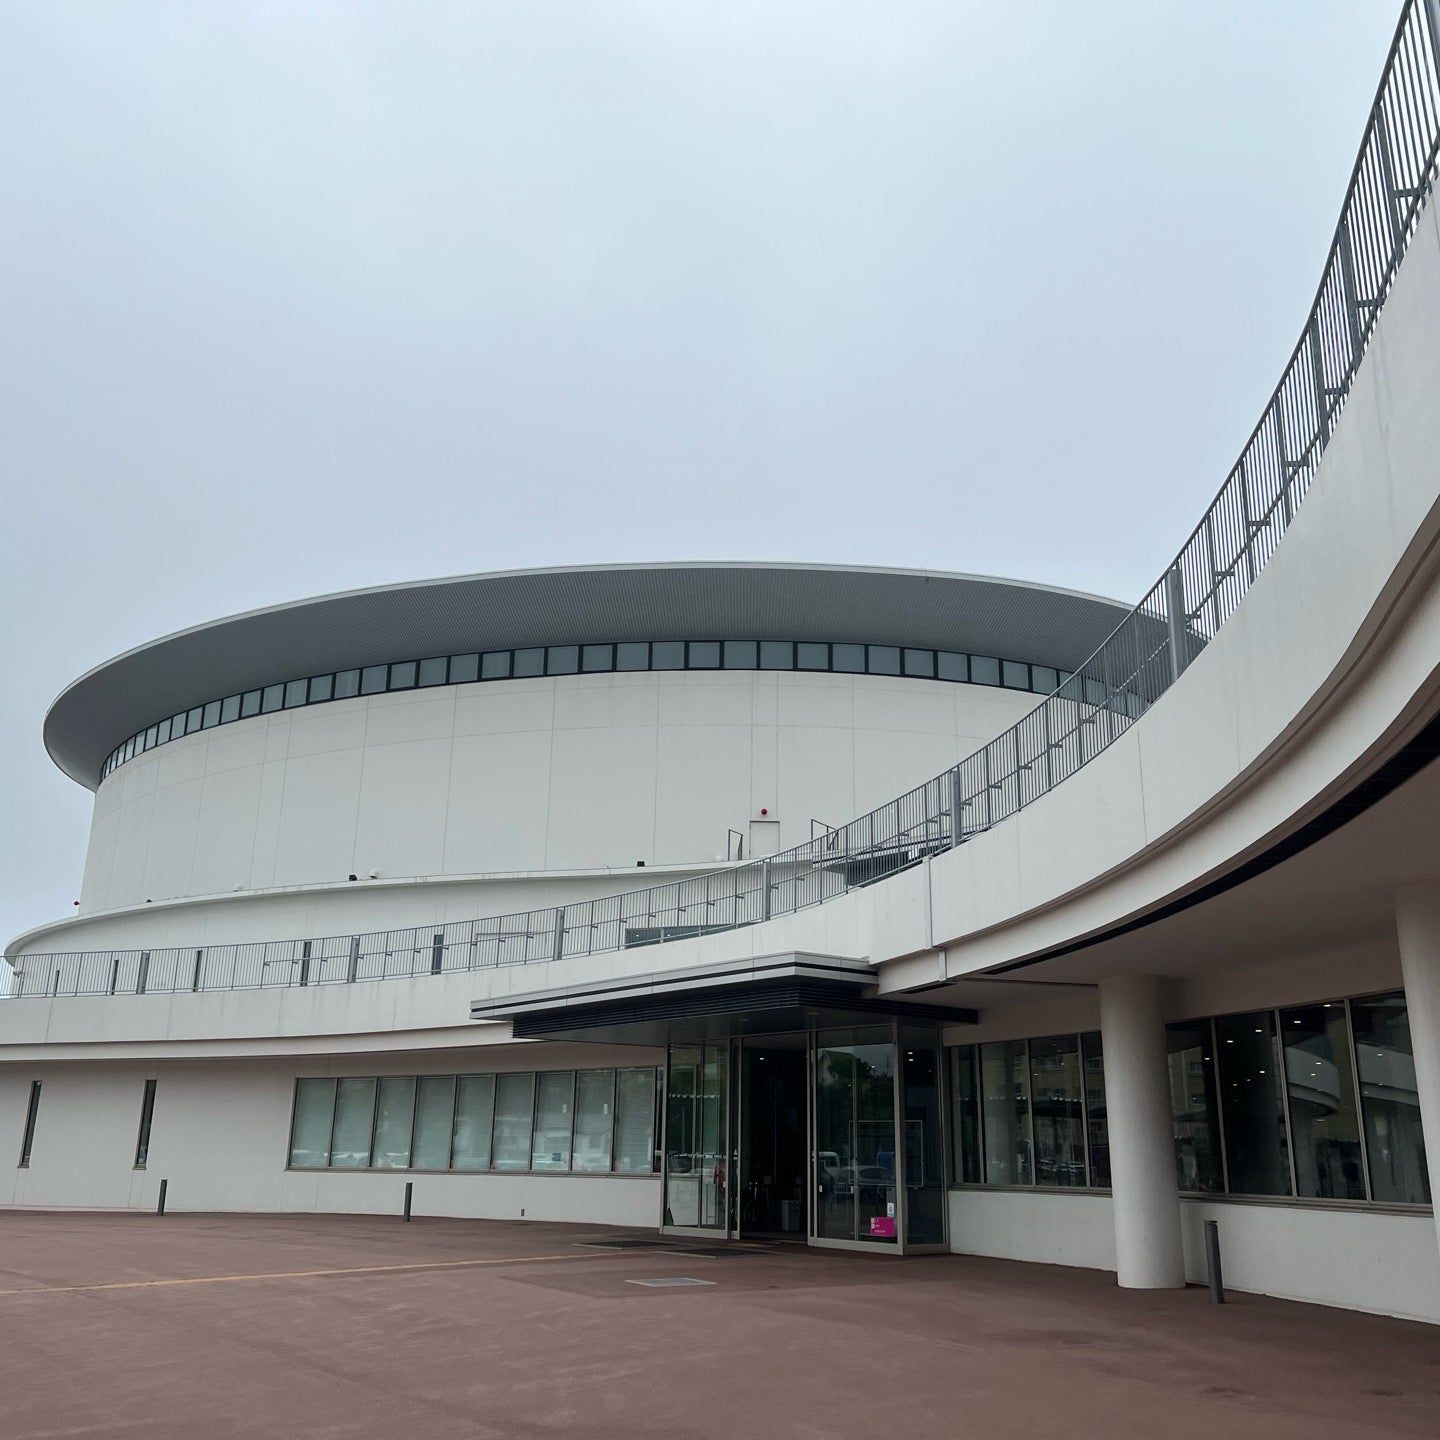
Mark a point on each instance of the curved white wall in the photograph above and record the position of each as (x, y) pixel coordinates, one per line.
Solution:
(524, 775)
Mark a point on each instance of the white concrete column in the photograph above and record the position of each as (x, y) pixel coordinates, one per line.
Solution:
(1417, 927)
(1149, 1248)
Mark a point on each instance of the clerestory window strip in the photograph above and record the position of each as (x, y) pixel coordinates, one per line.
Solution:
(527, 662)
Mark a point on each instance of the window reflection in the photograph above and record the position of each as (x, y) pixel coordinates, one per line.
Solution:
(1329, 1052)
(1096, 1119)
(1194, 1108)
(1257, 1156)
(1005, 1092)
(1386, 1065)
(1058, 1116)
(1320, 1081)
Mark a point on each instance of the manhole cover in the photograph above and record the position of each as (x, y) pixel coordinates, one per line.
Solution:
(670, 1282)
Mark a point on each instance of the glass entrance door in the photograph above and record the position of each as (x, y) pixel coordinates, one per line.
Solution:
(771, 1136)
(856, 1199)
(861, 1165)
(697, 1137)
(922, 1098)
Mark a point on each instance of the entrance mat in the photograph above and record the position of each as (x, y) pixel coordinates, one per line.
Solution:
(724, 1252)
(678, 1247)
(625, 1244)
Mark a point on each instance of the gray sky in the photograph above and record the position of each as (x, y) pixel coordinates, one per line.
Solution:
(302, 296)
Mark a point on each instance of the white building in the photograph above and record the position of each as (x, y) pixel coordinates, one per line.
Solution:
(542, 891)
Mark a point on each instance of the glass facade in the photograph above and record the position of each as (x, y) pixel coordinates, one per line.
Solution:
(1030, 1112)
(1310, 1102)
(1307, 1102)
(841, 658)
(590, 1121)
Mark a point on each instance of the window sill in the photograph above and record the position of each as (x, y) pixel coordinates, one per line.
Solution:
(1294, 1202)
(477, 1174)
(1030, 1189)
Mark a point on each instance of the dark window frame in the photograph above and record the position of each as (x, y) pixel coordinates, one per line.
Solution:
(1227, 1192)
(32, 1116)
(334, 1082)
(147, 1120)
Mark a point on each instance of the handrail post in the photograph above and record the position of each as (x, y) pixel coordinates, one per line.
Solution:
(1354, 321)
(1317, 379)
(1047, 735)
(1282, 455)
(765, 901)
(1175, 618)
(1247, 515)
(989, 784)
(558, 953)
(353, 972)
(957, 808)
(195, 980)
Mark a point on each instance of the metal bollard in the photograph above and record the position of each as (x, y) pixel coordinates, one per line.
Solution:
(160, 1203)
(1212, 1262)
(409, 1194)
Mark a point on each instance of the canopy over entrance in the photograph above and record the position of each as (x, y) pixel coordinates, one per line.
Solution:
(770, 995)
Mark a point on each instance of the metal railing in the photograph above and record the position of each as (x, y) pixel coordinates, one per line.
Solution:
(1141, 659)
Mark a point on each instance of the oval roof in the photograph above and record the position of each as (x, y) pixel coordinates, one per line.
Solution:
(683, 601)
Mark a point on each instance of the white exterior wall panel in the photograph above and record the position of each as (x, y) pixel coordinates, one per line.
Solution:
(220, 1136)
(550, 774)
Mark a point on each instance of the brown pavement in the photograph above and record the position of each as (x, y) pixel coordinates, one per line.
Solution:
(351, 1326)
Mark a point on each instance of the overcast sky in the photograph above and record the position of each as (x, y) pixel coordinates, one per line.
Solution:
(302, 296)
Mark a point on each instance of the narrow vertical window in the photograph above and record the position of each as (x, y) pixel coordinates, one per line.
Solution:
(147, 1112)
(474, 1118)
(635, 1129)
(312, 1124)
(514, 1110)
(554, 1121)
(1097, 1125)
(1257, 1158)
(1005, 1088)
(1320, 1086)
(434, 1120)
(1058, 1111)
(966, 1111)
(1194, 1108)
(394, 1122)
(594, 1119)
(32, 1111)
(354, 1124)
(1390, 1098)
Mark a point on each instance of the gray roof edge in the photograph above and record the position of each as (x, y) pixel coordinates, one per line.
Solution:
(76, 758)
